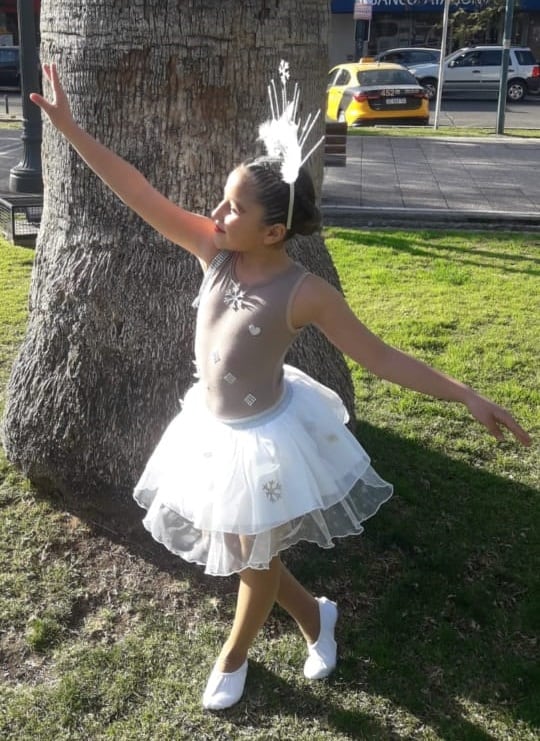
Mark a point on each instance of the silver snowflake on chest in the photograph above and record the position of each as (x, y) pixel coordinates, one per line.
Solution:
(272, 489)
(235, 297)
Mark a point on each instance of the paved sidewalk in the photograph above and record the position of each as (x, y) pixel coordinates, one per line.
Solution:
(435, 181)
(414, 181)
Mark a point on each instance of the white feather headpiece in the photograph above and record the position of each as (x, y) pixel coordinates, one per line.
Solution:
(284, 135)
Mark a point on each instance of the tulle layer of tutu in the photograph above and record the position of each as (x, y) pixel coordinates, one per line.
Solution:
(232, 495)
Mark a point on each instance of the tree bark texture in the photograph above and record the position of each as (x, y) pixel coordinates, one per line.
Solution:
(178, 88)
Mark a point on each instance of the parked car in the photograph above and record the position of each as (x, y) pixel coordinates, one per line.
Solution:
(10, 70)
(476, 70)
(409, 56)
(375, 92)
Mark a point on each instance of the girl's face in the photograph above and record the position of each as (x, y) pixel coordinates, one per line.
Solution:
(239, 218)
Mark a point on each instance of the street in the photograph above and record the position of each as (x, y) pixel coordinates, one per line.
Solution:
(10, 103)
(482, 113)
(11, 148)
(11, 151)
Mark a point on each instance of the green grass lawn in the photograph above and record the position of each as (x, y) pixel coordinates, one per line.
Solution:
(439, 599)
(441, 131)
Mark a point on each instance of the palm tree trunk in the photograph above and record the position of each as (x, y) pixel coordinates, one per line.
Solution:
(178, 89)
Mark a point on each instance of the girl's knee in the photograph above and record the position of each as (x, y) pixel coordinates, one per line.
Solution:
(252, 576)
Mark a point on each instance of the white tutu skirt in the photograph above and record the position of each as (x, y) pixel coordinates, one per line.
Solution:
(232, 495)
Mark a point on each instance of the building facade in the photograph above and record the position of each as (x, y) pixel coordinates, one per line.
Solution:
(9, 30)
(398, 23)
(394, 23)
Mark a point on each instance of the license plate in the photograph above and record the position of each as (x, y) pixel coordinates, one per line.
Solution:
(396, 101)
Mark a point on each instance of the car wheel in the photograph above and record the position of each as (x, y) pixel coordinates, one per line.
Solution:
(515, 91)
(430, 86)
(341, 116)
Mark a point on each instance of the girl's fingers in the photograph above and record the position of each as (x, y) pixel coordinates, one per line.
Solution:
(54, 79)
(46, 68)
(510, 423)
(50, 72)
(496, 418)
(40, 101)
(56, 99)
(53, 75)
(37, 99)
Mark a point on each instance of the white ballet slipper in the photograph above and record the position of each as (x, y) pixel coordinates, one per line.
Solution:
(322, 654)
(224, 689)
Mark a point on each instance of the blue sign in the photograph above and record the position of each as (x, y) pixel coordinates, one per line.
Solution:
(403, 6)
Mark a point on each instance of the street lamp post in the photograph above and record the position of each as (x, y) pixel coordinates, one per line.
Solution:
(26, 176)
(507, 40)
(440, 83)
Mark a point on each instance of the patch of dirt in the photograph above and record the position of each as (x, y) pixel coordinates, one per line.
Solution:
(117, 578)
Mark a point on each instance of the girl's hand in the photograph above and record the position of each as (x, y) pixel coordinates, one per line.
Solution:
(495, 418)
(57, 109)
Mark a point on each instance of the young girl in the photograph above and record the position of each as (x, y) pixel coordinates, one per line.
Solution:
(259, 457)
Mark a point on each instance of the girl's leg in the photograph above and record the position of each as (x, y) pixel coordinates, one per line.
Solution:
(256, 596)
(257, 593)
(300, 604)
(316, 619)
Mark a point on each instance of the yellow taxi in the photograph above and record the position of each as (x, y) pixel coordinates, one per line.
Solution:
(375, 93)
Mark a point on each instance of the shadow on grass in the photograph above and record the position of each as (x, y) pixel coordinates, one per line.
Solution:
(438, 605)
(440, 600)
(309, 703)
(414, 246)
(269, 694)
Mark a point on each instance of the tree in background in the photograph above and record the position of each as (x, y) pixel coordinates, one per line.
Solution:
(485, 23)
(178, 89)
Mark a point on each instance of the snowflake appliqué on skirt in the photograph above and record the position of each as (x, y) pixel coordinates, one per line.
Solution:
(272, 489)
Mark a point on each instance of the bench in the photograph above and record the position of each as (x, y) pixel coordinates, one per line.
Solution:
(20, 217)
(335, 144)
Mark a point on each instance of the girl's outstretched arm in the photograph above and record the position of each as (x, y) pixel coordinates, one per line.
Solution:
(318, 303)
(191, 231)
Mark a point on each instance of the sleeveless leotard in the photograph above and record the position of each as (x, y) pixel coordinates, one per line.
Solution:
(242, 336)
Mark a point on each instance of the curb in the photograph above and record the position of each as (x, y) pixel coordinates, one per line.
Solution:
(365, 216)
